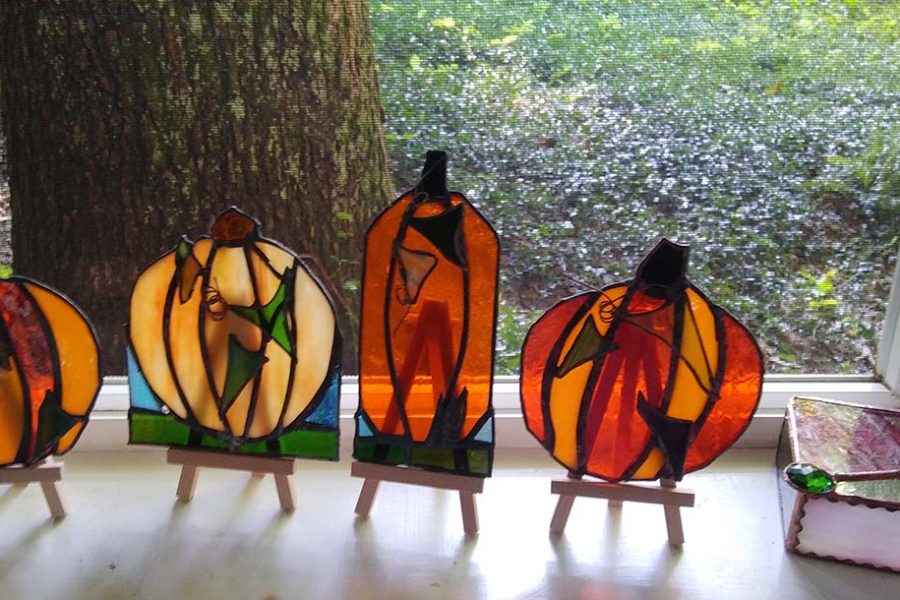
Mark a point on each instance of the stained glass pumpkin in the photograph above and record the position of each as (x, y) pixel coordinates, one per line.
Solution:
(234, 345)
(640, 380)
(429, 309)
(49, 372)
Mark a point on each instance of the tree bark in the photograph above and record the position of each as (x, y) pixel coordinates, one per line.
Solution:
(130, 122)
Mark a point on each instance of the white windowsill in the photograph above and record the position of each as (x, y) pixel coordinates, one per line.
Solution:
(108, 428)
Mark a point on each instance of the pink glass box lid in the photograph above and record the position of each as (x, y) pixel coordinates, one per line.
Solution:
(857, 446)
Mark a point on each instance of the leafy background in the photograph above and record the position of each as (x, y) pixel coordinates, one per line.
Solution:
(764, 133)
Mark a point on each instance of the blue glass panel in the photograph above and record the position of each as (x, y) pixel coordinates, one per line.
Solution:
(141, 394)
(327, 411)
(486, 433)
(362, 428)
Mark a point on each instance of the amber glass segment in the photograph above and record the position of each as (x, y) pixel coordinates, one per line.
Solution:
(12, 415)
(79, 361)
(147, 328)
(428, 314)
(68, 439)
(640, 380)
(539, 343)
(731, 412)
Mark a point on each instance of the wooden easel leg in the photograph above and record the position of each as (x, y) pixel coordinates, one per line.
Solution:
(469, 512)
(673, 525)
(673, 517)
(187, 484)
(561, 514)
(366, 497)
(287, 494)
(54, 501)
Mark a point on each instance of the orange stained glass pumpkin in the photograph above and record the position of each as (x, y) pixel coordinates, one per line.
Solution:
(429, 306)
(234, 345)
(49, 372)
(641, 380)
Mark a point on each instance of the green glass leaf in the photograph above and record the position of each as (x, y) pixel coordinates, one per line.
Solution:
(275, 304)
(242, 367)
(809, 478)
(280, 332)
(187, 269)
(271, 317)
(183, 250)
(53, 423)
(588, 345)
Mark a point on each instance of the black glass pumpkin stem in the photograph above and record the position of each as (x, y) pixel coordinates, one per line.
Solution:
(434, 174)
(665, 265)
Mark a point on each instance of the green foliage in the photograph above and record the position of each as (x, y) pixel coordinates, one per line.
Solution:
(762, 132)
(820, 290)
(5, 271)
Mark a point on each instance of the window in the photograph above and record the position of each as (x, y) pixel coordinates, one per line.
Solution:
(761, 132)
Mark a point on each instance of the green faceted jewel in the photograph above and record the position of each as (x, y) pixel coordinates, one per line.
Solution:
(809, 478)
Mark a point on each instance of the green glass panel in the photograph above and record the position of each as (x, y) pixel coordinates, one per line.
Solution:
(214, 443)
(364, 450)
(310, 444)
(187, 269)
(270, 317)
(242, 367)
(182, 250)
(253, 448)
(479, 460)
(275, 304)
(53, 422)
(162, 429)
(437, 458)
(166, 430)
(280, 333)
(434, 457)
(587, 345)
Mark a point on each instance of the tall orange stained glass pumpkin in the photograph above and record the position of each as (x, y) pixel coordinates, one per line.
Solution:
(640, 380)
(234, 345)
(429, 306)
(49, 372)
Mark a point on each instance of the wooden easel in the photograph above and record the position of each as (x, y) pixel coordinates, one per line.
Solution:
(48, 473)
(374, 474)
(282, 468)
(616, 493)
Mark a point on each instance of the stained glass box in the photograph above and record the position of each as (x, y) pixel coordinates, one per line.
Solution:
(839, 482)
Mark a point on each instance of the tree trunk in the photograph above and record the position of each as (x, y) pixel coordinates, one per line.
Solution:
(129, 122)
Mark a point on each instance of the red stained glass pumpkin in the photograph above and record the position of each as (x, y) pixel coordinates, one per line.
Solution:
(642, 379)
(49, 372)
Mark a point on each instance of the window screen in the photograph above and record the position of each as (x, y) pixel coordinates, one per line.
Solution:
(765, 134)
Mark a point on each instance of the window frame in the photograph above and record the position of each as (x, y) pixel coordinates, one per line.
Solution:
(888, 364)
(109, 417)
